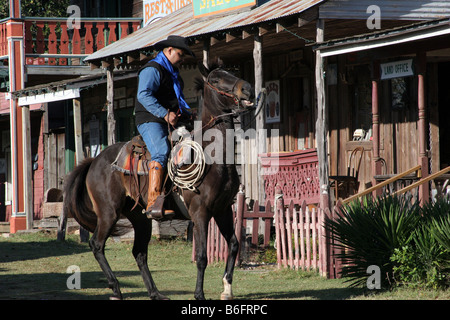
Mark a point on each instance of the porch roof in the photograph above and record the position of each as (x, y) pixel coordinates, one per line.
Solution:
(394, 36)
(183, 23)
(66, 89)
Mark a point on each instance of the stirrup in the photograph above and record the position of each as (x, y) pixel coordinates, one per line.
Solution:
(157, 211)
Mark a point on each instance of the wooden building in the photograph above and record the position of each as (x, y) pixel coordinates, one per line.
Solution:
(290, 50)
(37, 146)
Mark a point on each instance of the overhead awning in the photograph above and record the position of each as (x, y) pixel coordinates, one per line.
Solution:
(183, 23)
(395, 36)
(65, 89)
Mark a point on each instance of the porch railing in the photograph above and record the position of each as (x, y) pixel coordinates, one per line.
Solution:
(49, 41)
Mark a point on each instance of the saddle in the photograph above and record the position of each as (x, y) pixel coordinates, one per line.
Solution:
(133, 158)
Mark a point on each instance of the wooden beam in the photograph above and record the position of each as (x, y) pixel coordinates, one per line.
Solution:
(423, 181)
(213, 41)
(107, 63)
(279, 28)
(322, 121)
(206, 52)
(308, 16)
(94, 65)
(259, 121)
(262, 30)
(245, 34)
(78, 130)
(384, 183)
(27, 165)
(229, 37)
(111, 122)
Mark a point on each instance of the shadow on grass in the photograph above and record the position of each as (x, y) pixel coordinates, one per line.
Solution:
(53, 286)
(319, 294)
(22, 251)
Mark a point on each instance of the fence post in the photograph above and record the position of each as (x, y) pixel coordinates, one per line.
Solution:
(239, 220)
(278, 205)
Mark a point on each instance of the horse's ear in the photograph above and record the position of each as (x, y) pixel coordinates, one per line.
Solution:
(219, 62)
(203, 70)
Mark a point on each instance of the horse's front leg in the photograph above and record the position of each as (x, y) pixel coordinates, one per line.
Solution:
(225, 224)
(142, 235)
(200, 236)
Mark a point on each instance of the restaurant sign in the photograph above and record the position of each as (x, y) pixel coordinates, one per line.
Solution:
(209, 7)
(397, 69)
(155, 9)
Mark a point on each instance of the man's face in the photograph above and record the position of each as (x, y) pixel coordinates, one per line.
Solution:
(174, 55)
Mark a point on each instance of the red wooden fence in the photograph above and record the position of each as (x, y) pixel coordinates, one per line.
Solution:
(301, 239)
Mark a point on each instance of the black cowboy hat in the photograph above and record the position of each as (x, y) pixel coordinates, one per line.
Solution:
(176, 42)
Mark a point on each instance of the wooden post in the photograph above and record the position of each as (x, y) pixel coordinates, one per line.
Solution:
(376, 166)
(79, 155)
(16, 61)
(258, 193)
(206, 52)
(111, 122)
(240, 204)
(78, 130)
(424, 189)
(27, 165)
(322, 121)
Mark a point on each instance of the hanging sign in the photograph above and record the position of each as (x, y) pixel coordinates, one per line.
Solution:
(397, 69)
(273, 101)
(155, 9)
(209, 7)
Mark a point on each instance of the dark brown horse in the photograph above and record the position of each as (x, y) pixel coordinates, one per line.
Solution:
(97, 196)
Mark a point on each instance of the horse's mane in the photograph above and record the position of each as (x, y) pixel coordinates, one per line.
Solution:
(200, 81)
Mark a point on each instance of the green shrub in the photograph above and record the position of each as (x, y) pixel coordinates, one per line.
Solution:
(368, 233)
(426, 261)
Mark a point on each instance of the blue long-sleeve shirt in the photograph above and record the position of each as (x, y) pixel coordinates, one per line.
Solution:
(149, 82)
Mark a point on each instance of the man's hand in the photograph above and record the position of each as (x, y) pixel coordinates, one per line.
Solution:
(172, 118)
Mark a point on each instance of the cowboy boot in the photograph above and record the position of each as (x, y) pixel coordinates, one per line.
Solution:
(155, 201)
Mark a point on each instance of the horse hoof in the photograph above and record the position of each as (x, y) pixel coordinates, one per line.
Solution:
(225, 296)
(114, 298)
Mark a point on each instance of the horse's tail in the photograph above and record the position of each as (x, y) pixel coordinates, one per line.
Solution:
(77, 203)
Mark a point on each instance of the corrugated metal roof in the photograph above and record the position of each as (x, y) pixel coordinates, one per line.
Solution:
(390, 10)
(182, 23)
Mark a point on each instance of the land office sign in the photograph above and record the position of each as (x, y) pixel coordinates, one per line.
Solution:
(397, 69)
(209, 7)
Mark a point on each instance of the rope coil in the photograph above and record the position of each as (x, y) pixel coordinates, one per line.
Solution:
(186, 176)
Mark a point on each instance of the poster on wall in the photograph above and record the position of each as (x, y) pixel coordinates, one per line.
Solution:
(272, 101)
(156, 9)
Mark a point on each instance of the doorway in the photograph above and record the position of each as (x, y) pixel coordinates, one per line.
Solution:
(444, 113)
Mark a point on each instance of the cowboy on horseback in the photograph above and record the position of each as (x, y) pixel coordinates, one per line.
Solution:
(160, 104)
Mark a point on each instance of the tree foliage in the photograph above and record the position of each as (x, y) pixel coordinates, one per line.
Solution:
(38, 8)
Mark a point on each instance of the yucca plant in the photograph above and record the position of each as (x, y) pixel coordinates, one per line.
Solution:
(369, 231)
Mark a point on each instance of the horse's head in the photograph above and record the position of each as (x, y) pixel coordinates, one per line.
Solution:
(233, 93)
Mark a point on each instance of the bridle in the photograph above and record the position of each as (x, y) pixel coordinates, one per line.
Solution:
(224, 93)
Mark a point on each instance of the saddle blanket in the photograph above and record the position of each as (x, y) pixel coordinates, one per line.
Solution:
(130, 161)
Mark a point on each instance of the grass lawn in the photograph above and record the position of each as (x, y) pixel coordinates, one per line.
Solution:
(33, 267)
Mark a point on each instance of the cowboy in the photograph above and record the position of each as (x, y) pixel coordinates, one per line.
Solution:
(160, 103)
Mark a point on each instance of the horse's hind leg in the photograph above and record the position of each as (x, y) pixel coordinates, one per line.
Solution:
(225, 224)
(97, 244)
(142, 235)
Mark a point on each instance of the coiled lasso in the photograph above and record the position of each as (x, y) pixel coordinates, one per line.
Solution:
(186, 176)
